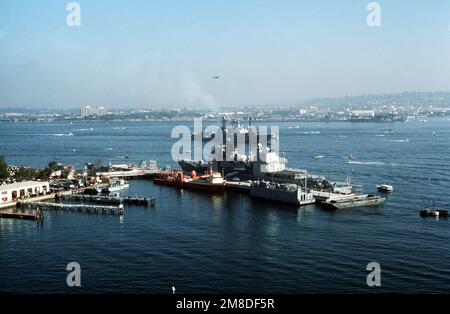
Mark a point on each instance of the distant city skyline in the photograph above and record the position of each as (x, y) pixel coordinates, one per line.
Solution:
(216, 54)
(418, 98)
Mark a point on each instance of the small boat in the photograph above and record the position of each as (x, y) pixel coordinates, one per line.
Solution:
(350, 159)
(385, 188)
(212, 181)
(434, 213)
(318, 157)
(116, 186)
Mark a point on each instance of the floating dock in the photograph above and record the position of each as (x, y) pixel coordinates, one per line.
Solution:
(90, 198)
(139, 201)
(82, 208)
(38, 216)
(105, 199)
(352, 200)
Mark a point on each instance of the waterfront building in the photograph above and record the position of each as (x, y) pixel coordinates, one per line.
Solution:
(10, 193)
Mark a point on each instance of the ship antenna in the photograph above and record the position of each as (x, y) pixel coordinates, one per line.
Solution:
(306, 182)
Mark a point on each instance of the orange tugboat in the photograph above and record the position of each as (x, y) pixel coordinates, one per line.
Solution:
(210, 181)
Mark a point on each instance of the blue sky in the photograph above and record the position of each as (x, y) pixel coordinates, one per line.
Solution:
(164, 53)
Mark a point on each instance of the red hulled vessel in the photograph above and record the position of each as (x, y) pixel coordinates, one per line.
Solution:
(210, 181)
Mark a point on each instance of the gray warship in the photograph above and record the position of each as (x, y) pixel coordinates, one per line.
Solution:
(267, 165)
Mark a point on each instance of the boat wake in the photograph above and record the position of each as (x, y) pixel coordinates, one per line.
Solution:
(61, 134)
(52, 134)
(370, 163)
(399, 141)
(83, 130)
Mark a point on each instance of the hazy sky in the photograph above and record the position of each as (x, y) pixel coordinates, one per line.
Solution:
(164, 53)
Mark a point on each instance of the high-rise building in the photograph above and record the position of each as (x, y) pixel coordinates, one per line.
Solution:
(101, 111)
(85, 111)
(88, 111)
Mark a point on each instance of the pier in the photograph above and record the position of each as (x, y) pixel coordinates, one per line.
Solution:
(106, 199)
(130, 174)
(38, 216)
(139, 201)
(101, 199)
(82, 208)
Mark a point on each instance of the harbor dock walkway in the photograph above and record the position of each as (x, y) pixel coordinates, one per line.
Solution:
(91, 209)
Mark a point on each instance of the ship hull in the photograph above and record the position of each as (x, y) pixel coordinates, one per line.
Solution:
(167, 183)
(284, 196)
(279, 196)
(191, 185)
(225, 167)
(204, 187)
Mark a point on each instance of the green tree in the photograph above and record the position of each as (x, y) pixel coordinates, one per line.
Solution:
(91, 169)
(25, 174)
(54, 165)
(44, 174)
(4, 173)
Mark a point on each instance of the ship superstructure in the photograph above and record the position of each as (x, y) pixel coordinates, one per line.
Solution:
(262, 164)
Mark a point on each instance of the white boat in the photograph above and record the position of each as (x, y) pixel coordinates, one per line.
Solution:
(350, 159)
(318, 157)
(385, 188)
(116, 186)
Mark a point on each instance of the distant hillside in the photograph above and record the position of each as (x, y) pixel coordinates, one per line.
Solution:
(436, 99)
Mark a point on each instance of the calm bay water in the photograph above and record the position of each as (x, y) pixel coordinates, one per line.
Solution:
(231, 243)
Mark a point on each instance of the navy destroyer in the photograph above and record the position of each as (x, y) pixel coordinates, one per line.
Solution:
(266, 165)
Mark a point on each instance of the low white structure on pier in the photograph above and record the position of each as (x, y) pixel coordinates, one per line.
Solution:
(11, 193)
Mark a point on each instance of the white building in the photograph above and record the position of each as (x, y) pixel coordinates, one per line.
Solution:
(88, 111)
(13, 192)
(362, 113)
(101, 111)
